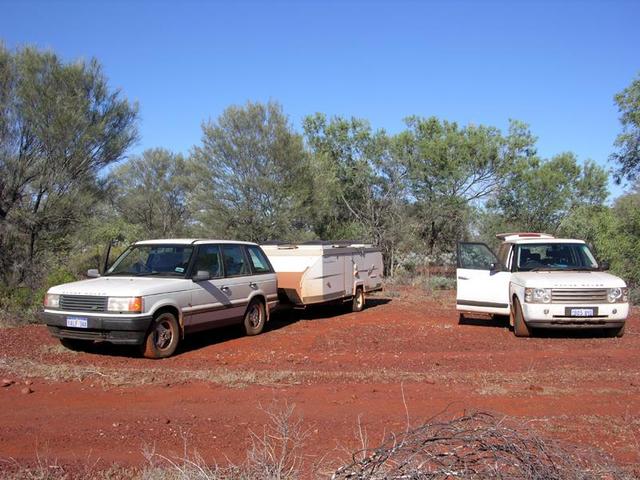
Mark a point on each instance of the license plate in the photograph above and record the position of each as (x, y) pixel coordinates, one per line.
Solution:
(582, 312)
(77, 322)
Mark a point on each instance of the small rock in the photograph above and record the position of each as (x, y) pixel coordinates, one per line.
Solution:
(116, 424)
(28, 382)
(167, 421)
(6, 382)
(26, 391)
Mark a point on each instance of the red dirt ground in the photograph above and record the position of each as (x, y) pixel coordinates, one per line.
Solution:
(106, 406)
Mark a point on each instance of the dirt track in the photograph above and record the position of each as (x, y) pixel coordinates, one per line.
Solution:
(105, 406)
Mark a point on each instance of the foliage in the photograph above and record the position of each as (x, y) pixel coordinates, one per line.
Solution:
(150, 191)
(60, 125)
(254, 177)
(628, 142)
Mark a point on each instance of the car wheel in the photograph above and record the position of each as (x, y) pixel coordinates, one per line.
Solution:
(254, 318)
(520, 328)
(74, 344)
(163, 337)
(357, 303)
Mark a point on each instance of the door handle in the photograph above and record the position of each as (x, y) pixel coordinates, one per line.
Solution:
(463, 278)
(253, 285)
(225, 289)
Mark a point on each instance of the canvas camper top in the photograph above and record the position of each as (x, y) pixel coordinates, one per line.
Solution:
(318, 247)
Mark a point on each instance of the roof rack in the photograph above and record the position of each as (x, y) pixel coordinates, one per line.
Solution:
(516, 235)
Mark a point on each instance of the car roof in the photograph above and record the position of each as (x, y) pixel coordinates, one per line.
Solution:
(519, 241)
(189, 241)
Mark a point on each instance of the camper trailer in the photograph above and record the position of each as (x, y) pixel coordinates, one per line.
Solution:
(320, 272)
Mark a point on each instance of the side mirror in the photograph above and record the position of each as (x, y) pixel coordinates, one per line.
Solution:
(604, 266)
(495, 267)
(201, 276)
(93, 273)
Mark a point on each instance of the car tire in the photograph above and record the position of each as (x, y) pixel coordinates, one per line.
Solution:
(520, 328)
(357, 302)
(254, 318)
(162, 338)
(74, 344)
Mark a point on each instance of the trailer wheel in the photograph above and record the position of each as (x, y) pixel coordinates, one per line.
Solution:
(162, 338)
(357, 303)
(254, 318)
(520, 328)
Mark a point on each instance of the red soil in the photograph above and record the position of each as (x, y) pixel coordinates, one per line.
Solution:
(108, 405)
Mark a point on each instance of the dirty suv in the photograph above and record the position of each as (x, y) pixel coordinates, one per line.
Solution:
(159, 290)
(540, 282)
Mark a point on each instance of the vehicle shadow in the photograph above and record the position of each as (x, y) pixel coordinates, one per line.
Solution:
(320, 312)
(496, 321)
(500, 321)
(280, 318)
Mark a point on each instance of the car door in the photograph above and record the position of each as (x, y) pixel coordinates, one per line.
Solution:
(210, 306)
(236, 282)
(482, 282)
(263, 278)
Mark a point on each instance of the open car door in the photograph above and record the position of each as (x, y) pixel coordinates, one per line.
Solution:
(482, 283)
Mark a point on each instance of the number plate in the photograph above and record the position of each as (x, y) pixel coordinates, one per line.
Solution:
(581, 312)
(77, 322)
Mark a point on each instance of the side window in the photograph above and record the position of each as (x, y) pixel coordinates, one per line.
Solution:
(475, 256)
(208, 259)
(235, 262)
(258, 260)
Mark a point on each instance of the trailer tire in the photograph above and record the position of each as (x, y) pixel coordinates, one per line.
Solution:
(162, 338)
(520, 328)
(357, 303)
(254, 318)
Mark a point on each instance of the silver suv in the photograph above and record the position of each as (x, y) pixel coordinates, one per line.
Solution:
(159, 290)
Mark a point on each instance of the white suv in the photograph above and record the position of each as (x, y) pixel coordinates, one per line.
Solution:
(540, 282)
(159, 290)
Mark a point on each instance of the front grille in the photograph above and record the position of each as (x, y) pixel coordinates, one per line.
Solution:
(576, 296)
(83, 303)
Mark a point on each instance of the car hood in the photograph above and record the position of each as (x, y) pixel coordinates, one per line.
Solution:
(546, 279)
(123, 286)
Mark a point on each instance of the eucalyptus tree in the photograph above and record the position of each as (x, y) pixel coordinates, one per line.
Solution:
(254, 179)
(628, 142)
(60, 124)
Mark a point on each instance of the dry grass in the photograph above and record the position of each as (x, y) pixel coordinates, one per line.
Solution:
(476, 446)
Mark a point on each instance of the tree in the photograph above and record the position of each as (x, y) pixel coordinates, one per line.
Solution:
(628, 142)
(370, 188)
(150, 191)
(255, 180)
(538, 195)
(453, 169)
(60, 124)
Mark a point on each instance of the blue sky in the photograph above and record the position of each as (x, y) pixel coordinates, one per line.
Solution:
(555, 65)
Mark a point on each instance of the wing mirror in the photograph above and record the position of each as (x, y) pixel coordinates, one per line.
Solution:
(93, 273)
(495, 267)
(201, 276)
(604, 266)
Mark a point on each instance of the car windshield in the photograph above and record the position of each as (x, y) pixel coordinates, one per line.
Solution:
(554, 256)
(153, 260)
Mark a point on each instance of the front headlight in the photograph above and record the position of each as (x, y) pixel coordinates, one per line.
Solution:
(537, 295)
(125, 304)
(618, 295)
(52, 300)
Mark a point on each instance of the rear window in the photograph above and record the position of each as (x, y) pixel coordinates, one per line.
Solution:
(259, 262)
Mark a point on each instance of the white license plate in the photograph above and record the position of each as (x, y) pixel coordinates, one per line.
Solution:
(582, 312)
(77, 322)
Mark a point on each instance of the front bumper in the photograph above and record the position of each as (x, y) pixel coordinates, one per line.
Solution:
(554, 315)
(116, 329)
